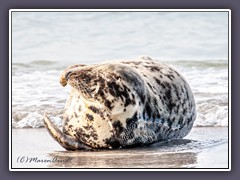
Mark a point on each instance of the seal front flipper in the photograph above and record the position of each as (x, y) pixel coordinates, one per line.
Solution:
(68, 142)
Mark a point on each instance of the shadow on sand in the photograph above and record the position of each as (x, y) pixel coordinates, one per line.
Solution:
(154, 156)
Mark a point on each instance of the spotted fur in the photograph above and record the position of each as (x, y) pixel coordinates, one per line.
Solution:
(124, 104)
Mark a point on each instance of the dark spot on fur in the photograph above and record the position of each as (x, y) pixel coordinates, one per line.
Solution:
(184, 111)
(127, 102)
(94, 109)
(66, 119)
(112, 92)
(132, 121)
(101, 93)
(90, 117)
(142, 98)
(164, 97)
(150, 86)
(186, 92)
(175, 89)
(70, 127)
(189, 120)
(132, 62)
(177, 73)
(108, 104)
(168, 94)
(169, 123)
(113, 142)
(180, 120)
(153, 68)
(169, 101)
(76, 115)
(133, 97)
(182, 90)
(163, 86)
(167, 85)
(147, 109)
(117, 125)
(171, 77)
(157, 80)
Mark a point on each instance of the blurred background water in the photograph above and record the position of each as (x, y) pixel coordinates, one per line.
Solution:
(45, 43)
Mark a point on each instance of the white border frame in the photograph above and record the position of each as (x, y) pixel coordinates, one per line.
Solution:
(117, 10)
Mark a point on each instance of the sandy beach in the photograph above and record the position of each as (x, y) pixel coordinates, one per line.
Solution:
(202, 148)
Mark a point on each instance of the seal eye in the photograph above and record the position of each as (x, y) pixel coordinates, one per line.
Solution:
(67, 75)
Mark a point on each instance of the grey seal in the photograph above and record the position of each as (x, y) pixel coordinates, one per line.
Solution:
(122, 104)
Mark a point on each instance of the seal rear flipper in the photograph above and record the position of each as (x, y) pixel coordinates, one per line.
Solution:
(68, 142)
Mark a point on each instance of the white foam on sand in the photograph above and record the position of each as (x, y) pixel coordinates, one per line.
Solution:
(34, 120)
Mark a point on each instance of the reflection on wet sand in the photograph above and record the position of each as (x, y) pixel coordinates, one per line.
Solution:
(208, 148)
(149, 157)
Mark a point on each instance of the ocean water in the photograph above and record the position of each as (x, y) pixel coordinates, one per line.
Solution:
(45, 43)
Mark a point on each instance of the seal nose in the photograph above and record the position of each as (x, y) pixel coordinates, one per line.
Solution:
(64, 78)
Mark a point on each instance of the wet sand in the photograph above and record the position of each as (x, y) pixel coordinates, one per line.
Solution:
(202, 148)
